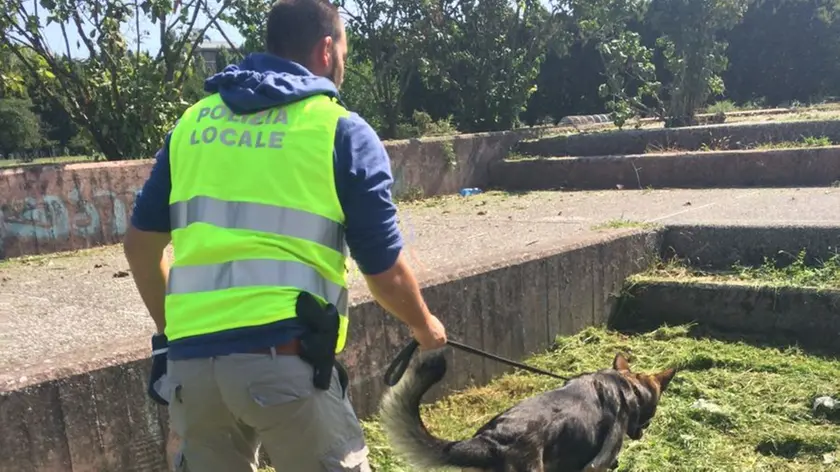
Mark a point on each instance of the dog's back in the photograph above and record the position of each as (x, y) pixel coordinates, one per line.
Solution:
(566, 426)
(579, 425)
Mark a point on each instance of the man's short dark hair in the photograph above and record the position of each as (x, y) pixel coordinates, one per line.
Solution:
(295, 27)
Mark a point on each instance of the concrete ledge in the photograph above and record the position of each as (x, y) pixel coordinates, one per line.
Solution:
(803, 167)
(738, 136)
(778, 315)
(51, 208)
(761, 112)
(719, 247)
(100, 419)
(604, 118)
(787, 316)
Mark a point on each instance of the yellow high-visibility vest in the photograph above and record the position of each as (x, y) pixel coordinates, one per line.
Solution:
(255, 216)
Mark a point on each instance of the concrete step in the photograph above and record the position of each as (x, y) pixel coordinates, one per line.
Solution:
(801, 167)
(639, 141)
(783, 316)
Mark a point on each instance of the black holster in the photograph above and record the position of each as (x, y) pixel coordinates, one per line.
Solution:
(318, 343)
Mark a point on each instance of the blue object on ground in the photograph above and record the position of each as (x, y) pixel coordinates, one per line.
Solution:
(466, 192)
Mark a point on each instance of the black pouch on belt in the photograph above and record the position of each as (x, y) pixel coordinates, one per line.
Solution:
(317, 345)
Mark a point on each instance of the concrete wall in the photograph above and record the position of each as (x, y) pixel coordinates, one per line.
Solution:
(100, 420)
(57, 208)
(802, 317)
(737, 136)
(51, 208)
(726, 169)
(718, 247)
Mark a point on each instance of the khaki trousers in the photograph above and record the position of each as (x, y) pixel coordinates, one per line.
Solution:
(224, 408)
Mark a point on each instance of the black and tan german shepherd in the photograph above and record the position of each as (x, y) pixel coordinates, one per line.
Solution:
(577, 427)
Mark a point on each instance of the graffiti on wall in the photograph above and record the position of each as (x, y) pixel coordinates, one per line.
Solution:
(55, 217)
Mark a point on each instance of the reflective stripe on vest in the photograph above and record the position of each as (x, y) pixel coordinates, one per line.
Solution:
(259, 217)
(252, 273)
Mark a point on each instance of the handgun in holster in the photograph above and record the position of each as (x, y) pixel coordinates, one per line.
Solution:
(318, 343)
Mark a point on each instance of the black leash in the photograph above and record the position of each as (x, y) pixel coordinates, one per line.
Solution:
(400, 364)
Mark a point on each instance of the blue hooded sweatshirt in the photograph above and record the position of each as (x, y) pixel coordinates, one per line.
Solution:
(362, 177)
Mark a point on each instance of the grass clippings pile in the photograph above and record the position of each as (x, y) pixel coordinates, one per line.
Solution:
(732, 407)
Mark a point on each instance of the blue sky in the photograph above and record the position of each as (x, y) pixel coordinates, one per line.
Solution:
(150, 40)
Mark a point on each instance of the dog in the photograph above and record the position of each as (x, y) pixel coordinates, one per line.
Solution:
(579, 427)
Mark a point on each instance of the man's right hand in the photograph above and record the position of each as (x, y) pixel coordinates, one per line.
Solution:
(430, 336)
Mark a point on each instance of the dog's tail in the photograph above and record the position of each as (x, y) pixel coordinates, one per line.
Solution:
(400, 416)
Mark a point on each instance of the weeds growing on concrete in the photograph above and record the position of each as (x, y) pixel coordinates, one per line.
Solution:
(9, 163)
(797, 273)
(657, 148)
(621, 223)
(806, 142)
(723, 144)
(724, 106)
(515, 156)
(411, 194)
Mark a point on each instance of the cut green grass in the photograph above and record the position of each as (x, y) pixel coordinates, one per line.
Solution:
(798, 273)
(764, 395)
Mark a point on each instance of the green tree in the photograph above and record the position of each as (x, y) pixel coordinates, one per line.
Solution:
(388, 46)
(630, 86)
(695, 53)
(567, 85)
(249, 17)
(226, 57)
(12, 84)
(357, 93)
(20, 127)
(490, 57)
(785, 50)
(377, 64)
(122, 97)
(689, 39)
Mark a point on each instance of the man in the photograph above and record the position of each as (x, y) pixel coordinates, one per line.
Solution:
(258, 186)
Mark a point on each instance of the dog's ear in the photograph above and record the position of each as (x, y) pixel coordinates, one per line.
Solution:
(664, 378)
(620, 362)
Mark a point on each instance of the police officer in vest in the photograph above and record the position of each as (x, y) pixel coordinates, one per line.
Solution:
(259, 187)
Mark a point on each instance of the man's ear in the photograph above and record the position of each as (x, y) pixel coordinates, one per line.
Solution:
(664, 378)
(322, 53)
(620, 362)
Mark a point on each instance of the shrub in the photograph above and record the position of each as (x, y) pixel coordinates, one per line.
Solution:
(20, 127)
(423, 125)
(724, 106)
